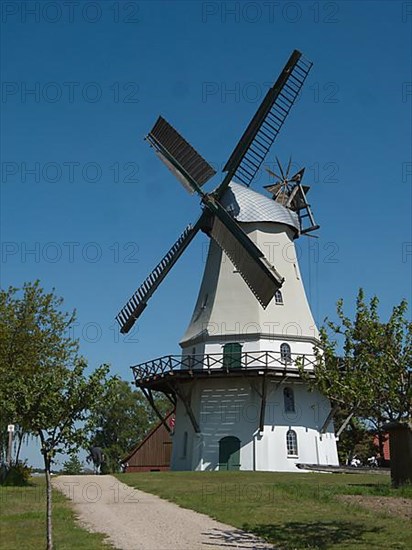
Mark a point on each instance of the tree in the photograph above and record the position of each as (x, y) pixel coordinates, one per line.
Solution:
(73, 466)
(31, 328)
(44, 388)
(355, 440)
(120, 421)
(364, 366)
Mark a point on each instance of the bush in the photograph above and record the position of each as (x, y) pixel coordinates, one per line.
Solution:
(73, 466)
(17, 475)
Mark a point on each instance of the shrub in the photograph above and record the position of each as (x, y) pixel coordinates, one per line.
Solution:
(73, 466)
(17, 475)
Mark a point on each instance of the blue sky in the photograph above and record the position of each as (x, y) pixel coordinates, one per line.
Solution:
(83, 84)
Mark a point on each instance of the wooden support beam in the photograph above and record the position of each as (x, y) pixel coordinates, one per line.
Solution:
(171, 397)
(149, 397)
(263, 403)
(329, 418)
(254, 386)
(186, 402)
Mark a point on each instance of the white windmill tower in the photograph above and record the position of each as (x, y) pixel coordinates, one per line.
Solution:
(240, 402)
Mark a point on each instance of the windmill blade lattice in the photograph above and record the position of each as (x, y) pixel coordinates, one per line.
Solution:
(265, 126)
(180, 157)
(138, 302)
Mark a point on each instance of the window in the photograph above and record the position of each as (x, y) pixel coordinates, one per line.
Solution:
(292, 443)
(232, 356)
(278, 298)
(289, 400)
(184, 449)
(285, 353)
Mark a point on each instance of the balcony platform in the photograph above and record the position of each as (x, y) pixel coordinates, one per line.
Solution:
(162, 373)
(171, 373)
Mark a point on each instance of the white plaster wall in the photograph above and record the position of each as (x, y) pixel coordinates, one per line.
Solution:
(232, 408)
(227, 307)
(182, 424)
(297, 347)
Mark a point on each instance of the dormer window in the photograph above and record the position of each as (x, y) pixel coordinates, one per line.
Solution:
(278, 298)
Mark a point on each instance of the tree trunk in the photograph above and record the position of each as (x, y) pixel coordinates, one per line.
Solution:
(47, 466)
(21, 437)
(345, 423)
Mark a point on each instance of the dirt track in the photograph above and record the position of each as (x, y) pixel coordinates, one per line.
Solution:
(393, 506)
(134, 520)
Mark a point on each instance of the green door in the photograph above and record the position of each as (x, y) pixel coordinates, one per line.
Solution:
(232, 356)
(229, 453)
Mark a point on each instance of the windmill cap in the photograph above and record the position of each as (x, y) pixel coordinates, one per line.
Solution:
(246, 205)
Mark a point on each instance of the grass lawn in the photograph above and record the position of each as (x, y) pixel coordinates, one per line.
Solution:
(23, 521)
(293, 511)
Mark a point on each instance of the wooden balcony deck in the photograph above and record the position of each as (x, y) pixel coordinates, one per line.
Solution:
(169, 367)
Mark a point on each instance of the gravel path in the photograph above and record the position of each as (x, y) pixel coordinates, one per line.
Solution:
(134, 520)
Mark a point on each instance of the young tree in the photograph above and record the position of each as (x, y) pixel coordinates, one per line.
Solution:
(364, 366)
(355, 440)
(44, 388)
(120, 421)
(72, 466)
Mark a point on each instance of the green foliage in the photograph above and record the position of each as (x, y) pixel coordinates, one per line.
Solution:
(372, 377)
(44, 388)
(356, 440)
(73, 466)
(112, 456)
(34, 346)
(33, 341)
(120, 421)
(18, 475)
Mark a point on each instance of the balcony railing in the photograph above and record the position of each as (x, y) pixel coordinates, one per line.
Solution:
(212, 362)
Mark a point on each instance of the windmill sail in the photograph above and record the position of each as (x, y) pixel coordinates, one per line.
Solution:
(138, 302)
(192, 170)
(180, 157)
(264, 127)
(260, 276)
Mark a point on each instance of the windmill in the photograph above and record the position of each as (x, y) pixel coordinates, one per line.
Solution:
(240, 223)
(192, 171)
